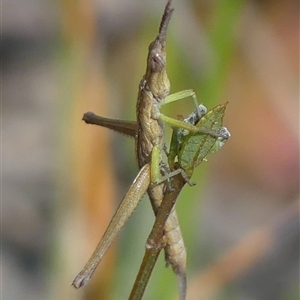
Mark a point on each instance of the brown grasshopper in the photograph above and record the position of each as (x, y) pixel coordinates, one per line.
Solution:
(153, 91)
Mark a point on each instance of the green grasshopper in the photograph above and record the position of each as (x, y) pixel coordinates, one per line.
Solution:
(187, 151)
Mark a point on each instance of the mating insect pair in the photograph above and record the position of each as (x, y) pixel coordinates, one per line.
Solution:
(192, 140)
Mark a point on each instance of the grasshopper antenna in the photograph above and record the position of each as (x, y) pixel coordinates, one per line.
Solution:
(165, 22)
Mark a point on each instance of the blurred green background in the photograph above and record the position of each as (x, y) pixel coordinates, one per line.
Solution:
(62, 179)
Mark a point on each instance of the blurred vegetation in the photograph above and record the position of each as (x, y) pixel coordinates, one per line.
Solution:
(63, 179)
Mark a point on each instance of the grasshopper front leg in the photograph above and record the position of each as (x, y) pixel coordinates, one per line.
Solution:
(181, 124)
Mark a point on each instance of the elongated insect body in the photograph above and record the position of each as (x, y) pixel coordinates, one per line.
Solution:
(175, 251)
(149, 131)
(193, 139)
(153, 89)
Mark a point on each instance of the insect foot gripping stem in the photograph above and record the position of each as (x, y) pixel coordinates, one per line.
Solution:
(150, 244)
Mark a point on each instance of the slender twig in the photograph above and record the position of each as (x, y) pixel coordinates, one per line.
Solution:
(155, 240)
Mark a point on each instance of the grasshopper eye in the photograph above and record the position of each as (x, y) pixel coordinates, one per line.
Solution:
(156, 61)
